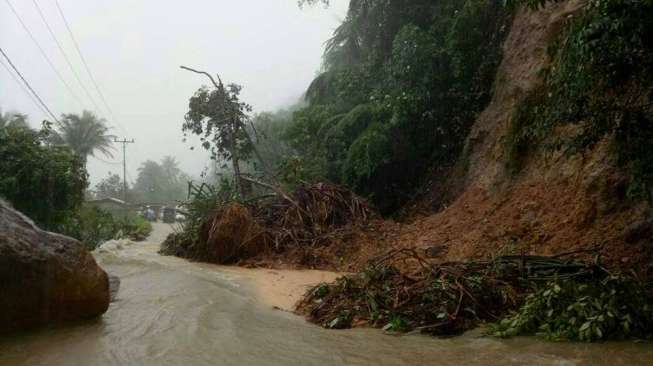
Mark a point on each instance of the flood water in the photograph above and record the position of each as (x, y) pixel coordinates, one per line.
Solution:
(171, 312)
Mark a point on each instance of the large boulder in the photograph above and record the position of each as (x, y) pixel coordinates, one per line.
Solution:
(45, 278)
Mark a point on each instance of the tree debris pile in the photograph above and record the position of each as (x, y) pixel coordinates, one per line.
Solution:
(401, 291)
(312, 217)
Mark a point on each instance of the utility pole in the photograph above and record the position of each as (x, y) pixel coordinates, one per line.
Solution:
(124, 143)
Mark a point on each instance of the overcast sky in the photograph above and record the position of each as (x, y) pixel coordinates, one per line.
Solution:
(134, 49)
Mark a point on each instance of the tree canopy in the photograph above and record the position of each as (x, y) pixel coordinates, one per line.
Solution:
(161, 183)
(220, 118)
(401, 83)
(85, 134)
(45, 182)
(13, 119)
(109, 187)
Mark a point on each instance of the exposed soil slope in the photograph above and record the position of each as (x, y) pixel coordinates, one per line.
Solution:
(556, 204)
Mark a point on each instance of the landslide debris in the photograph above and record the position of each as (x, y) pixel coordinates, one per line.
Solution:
(313, 217)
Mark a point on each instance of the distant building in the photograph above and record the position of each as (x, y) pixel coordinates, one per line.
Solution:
(118, 208)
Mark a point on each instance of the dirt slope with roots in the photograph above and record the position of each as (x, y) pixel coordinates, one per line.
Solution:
(556, 204)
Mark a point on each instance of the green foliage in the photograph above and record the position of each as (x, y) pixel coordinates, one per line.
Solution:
(583, 310)
(85, 134)
(267, 130)
(220, 119)
(137, 228)
(202, 200)
(366, 156)
(109, 187)
(342, 131)
(600, 82)
(304, 134)
(433, 301)
(44, 182)
(162, 183)
(13, 119)
(93, 226)
(415, 73)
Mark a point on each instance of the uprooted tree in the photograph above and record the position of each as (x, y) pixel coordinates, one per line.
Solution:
(219, 117)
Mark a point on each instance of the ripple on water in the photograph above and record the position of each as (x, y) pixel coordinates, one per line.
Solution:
(171, 312)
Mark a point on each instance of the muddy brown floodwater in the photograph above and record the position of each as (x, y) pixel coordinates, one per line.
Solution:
(172, 312)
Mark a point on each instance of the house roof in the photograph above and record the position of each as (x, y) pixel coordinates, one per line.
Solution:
(108, 200)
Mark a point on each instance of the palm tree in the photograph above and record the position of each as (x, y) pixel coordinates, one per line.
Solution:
(12, 119)
(171, 168)
(85, 134)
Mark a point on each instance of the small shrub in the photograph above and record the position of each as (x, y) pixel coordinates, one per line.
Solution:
(136, 228)
(583, 310)
(93, 226)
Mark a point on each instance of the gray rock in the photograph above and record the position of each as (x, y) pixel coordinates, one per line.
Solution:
(45, 278)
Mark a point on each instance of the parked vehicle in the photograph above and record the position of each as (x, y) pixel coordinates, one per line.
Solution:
(169, 215)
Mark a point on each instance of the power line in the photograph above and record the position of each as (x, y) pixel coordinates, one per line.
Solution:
(28, 86)
(65, 56)
(81, 56)
(31, 97)
(105, 161)
(45, 56)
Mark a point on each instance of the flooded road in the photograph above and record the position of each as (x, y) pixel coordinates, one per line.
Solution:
(172, 312)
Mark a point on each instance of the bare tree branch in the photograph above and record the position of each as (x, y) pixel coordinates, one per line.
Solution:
(274, 187)
(218, 86)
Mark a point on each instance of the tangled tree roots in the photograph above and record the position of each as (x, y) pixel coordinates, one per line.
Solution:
(438, 299)
(311, 218)
(230, 235)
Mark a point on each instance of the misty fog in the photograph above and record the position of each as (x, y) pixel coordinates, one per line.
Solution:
(134, 50)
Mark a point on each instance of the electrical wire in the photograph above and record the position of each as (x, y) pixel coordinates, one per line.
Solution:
(65, 56)
(28, 86)
(105, 161)
(43, 53)
(29, 95)
(81, 56)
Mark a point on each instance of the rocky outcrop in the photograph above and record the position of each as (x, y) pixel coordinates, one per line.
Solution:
(45, 278)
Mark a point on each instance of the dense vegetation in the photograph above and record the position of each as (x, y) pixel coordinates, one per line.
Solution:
(553, 297)
(402, 83)
(162, 183)
(84, 134)
(44, 181)
(43, 175)
(615, 307)
(599, 83)
(93, 226)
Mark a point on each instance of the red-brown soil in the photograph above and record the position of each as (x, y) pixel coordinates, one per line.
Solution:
(555, 204)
